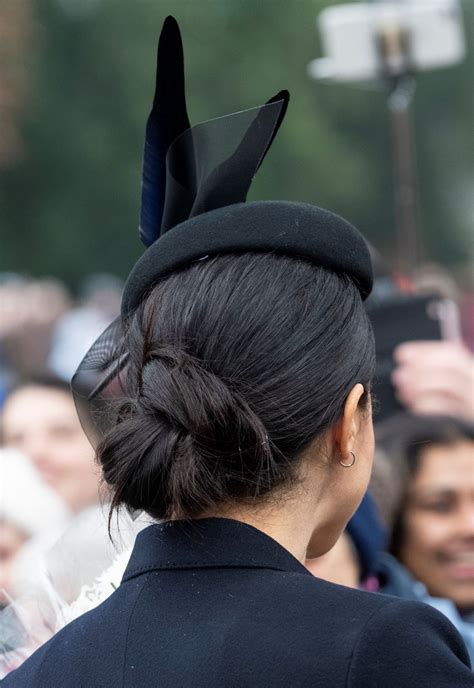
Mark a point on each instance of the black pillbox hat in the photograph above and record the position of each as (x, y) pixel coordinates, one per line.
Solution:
(294, 229)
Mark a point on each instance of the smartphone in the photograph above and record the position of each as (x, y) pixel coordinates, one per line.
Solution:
(406, 318)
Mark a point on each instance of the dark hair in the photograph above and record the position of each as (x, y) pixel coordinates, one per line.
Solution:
(404, 438)
(236, 364)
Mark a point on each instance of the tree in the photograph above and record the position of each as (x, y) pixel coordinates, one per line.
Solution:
(71, 205)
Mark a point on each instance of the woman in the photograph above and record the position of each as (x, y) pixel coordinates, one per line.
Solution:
(244, 423)
(27, 508)
(39, 419)
(432, 521)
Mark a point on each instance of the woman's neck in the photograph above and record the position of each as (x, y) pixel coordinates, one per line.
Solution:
(289, 521)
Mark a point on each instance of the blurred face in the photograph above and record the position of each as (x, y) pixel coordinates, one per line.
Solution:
(438, 523)
(11, 540)
(42, 423)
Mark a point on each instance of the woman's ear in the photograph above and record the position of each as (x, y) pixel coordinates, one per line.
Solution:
(349, 425)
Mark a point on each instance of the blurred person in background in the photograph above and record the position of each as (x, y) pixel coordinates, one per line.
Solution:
(28, 507)
(432, 530)
(42, 330)
(435, 377)
(39, 419)
(429, 482)
(29, 311)
(77, 329)
(54, 539)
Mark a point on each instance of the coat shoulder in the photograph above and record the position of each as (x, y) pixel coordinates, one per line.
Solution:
(408, 643)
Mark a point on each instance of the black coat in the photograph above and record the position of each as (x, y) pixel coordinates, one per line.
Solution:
(215, 604)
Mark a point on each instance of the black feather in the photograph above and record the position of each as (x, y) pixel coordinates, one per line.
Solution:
(167, 120)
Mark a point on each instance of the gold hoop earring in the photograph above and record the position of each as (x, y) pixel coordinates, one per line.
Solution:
(349, 465)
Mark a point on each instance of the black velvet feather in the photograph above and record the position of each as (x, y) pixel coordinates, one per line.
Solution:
(167, 120)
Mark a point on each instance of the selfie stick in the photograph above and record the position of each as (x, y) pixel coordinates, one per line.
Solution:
(398, 73)
(408, 238)
(386, 43)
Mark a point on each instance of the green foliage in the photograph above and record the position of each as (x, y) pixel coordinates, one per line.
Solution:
(71, 205)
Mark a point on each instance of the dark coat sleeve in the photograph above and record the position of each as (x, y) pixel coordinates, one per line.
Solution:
(410, 645)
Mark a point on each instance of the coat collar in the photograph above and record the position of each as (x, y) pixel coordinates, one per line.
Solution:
(207, 543)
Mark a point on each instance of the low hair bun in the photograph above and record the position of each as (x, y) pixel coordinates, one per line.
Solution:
(175, 449)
